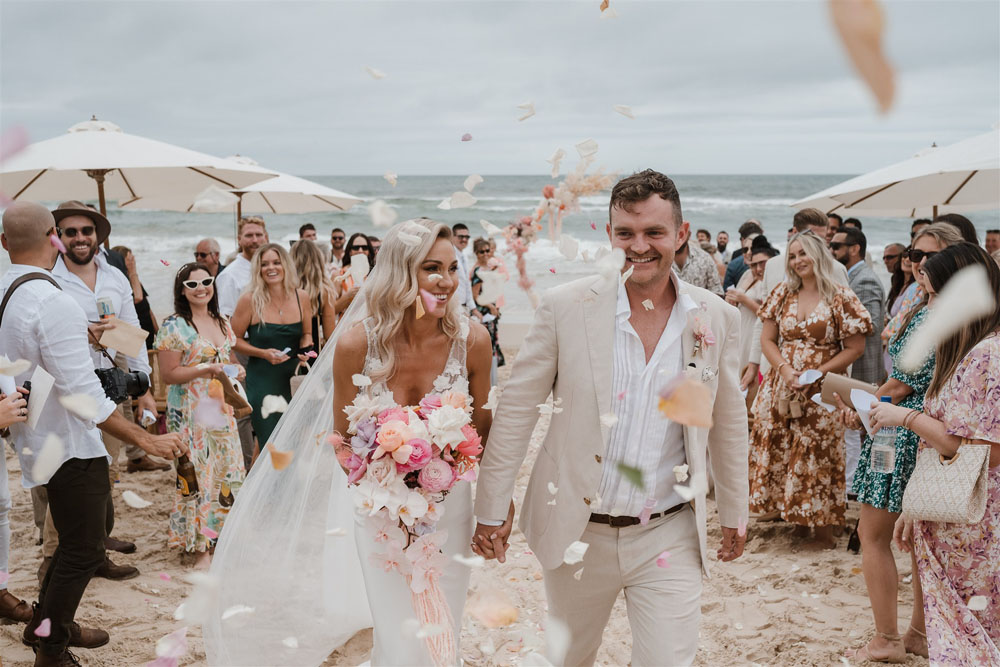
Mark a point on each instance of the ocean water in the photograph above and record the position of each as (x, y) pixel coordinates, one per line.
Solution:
(713, 202)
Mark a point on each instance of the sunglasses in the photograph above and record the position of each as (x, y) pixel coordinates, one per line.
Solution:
(193, 284)
(71, 232)
(336, 238)
(360, 248)
(837, 245)
(890, 258)
(483, 251)
(201, 255)
(463, 237)
(917, 256)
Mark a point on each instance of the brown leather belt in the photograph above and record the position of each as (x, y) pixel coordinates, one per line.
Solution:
(624, 521)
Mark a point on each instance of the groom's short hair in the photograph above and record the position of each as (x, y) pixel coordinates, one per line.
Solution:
(642, 185)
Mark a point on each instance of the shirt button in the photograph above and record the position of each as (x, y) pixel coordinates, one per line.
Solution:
(586, 500)
(597, 457)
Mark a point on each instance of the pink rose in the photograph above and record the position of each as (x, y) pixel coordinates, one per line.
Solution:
(436, 476)
(430, 403)
(472, 447)
(390, 437)
(393, 414)
(420, 454)
(454, 399)
(382, 472)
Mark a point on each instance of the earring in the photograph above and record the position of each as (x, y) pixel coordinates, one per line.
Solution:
(420, 307)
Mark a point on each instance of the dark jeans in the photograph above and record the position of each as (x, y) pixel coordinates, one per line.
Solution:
(79, 495)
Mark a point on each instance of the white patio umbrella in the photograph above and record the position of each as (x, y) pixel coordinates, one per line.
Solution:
(283, 194)
(95, 159)
(962, 177)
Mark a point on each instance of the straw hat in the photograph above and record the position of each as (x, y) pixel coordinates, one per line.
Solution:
(74, 207)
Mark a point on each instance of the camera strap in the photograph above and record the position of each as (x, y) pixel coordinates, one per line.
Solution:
(36, 275)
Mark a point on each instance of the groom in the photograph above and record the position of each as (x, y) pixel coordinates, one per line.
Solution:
(606, 349)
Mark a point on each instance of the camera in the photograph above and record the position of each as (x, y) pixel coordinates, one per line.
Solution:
(121, 385)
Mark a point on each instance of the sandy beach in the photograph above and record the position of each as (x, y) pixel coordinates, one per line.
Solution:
(773, 606)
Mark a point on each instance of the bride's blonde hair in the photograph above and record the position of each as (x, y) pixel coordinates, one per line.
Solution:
(392, 288)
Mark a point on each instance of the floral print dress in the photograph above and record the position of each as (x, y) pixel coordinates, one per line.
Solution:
(885, 490)
(215, 451)
(958, 561)
(797, 464)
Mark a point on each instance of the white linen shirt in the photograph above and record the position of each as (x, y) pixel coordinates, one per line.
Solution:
(643, 437)
(46, 327)
(231, 283)
(464, 282)
(112, 284)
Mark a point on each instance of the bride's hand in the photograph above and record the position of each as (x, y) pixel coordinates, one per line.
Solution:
(491, 541)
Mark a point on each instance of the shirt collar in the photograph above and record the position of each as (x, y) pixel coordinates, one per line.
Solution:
(684, 303)
(855, 267)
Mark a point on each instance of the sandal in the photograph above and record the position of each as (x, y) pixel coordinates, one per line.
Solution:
(864, 653)
(923, 649)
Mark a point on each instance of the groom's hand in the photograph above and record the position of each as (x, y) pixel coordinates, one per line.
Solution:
(491, 541)
(732, 544)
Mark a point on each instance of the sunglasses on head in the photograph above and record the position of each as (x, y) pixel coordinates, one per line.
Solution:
(193, 284)
(916, 256)
(71, 232)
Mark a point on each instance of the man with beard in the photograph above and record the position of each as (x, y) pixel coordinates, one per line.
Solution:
(695, 266)
(337, 240)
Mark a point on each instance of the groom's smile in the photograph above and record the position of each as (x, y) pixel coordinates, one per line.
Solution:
(650, 236)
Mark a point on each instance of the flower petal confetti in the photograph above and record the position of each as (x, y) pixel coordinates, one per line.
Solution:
(624, 110)
(165, 577)
(469, 561)
(551, 270)
(686, 401)
(574, 552)
(648, 304)
(461, 199)
(44, 628)
(661, 560)
(490, 228)
(978, 603)
(860, 26)
(529, 110)
(236, 610)
(609, 420)
(48, 460)
(627, 274)
(492, 608)
(164, 262)
(569, 247)
(609, 13)
(631, 474)
(290, 642)
(13, 368)
(553, 489)
(83, 406)
(382, 214)
(491, 399)
(134, 500)
(336, 532)
(621, 395)
(209, 533)
(555, 160)
(741, 527)
(681, 473)
(578, 574)
(430, 302)
(698, 487)
(610, 265)
(271, 404)
(391, 177)
(279, 459)
(208, 413)
(374, 73)
(593, 226)
(311, 354)
(586, 148)
(411, 240)
(470, 183)
(57, 243)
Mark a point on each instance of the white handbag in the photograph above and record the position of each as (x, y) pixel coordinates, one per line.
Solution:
(949, 490)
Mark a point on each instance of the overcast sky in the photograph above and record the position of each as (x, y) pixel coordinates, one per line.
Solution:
(716, 87)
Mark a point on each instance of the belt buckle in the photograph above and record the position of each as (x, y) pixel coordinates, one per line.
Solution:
(621, 521)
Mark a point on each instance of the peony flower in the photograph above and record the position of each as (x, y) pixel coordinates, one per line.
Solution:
(420, 455)
(393, 414)
(445, 425)
(430, 403)
(436, 476)
(413, 508)
(473, 444)
(454, 399)
(364, 441)
(390, 437)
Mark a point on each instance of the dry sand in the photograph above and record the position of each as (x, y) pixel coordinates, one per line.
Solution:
(773, 606)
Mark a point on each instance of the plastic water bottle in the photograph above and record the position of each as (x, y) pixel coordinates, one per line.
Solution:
(884, 447)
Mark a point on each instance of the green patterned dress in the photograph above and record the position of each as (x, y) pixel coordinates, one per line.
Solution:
(885, 490)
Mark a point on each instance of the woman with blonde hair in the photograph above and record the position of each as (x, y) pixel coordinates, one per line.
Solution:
(797, 457)
(294, 533)
(310, 265)
(271, 323)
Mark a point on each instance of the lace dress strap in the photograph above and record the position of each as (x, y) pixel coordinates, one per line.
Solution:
(456, 376)
(372, 360)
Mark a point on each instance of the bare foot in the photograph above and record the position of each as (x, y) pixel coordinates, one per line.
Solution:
(204, 561)
(879, 649)
(915, 643)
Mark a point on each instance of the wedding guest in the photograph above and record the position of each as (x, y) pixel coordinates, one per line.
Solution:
(749, 294)
(13, 410)
(962, 224)
(307, 232)
(834, 223)
(460, 239)
(337, 239)
(722, 241)
(956, 562)
(311, 270)
(851, 222)
(695, 266)
(901, 282)
(992, 240)
(347, 289)
(918, 226)
(195, 343)
(147, 320)
(797, 453)
(206, 253)
(251, 234)
(376, 243)
(703, 236)
(485, 262)
(737, 266)
(271, 324)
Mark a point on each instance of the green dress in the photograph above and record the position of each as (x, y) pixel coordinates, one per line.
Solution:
(265, 378)
(885, 490)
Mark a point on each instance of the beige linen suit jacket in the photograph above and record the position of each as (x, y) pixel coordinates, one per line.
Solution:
(569, 352)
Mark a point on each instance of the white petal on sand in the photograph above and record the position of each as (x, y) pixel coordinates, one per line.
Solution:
(698, 487)
(48, 460)
(624, 110)
(375, 73)
(290, 642)
(586, 148)
(574, 552)
(569, 247)
(462, 199)
(336, 532)
(172, 646)
(529, 110)
(236, 610)
(359, 380)
(491, 399)
(609, 420)
(469, 561)
(965, 297)
(609, 13)
(978, 603)
(471, 182)
(553, 489)
(681, 473)
(490, 228)
(390, 177)
(83, 406)
(200, 603)
(382, 214)
(134, 500)
(271, 404)
(555, 160)
(647, 304)
(13, 368)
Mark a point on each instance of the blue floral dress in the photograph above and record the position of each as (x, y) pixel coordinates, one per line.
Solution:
(885, 490)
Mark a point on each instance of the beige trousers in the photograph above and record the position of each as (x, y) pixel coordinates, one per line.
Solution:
(663, 604)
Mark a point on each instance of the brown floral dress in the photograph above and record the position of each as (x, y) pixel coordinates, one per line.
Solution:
(797, 464)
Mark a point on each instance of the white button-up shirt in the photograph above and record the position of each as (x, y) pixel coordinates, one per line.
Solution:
(46, 327)
(231, 283)
(464, 282)
(643, 437)
(111, 284)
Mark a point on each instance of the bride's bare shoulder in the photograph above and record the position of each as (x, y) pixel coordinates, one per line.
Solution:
(353, 340)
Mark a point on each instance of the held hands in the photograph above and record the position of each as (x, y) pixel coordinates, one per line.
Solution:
(491, 541)
(169, 446)
(732, 544)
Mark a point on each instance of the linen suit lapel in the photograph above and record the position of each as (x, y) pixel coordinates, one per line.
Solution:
(599, 307)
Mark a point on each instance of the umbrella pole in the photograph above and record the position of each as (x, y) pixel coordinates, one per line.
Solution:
(98, 175)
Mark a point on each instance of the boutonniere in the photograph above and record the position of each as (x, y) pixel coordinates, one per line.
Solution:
(704, 337)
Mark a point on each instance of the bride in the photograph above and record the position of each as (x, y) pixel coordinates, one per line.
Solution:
(298, 570)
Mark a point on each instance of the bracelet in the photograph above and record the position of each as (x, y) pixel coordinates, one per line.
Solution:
(781, 365)
(911, 417)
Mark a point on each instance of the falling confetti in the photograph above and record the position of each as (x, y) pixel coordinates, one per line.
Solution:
(82, 405)
(492, 608)
(631, 474)
(555, 160)
(490, 228)
(272, 404)
(681, 473)
(44, 628)
(359, 380)
(698, 487)
(586, 148)
(578, 574)
(491, 399)
(529, 110)
(661, 560)
(279, 459)
(381, 214)
(627, 274)
(648, 304)
(686, 401)
(375, 74)
(48, 460)
(164, 262)
(593, 226)
(621, 395)
(466, 137)
(624, 110)
(13, 368)
(460, 199)
(860, 25)
(978, 603)
(209, 533)
(57, 243)
(290, 642)
(165, 576)
(236, 610)
(391, 177)
(469, 561)
(430, 301)
(569, 247)
(551, 270)
(470, 183)
(574, 552)
(134, 500)
(609, 420)
(208, 413)
(336, 532)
